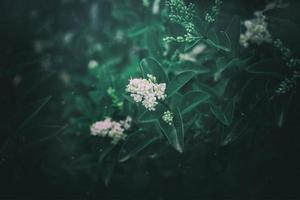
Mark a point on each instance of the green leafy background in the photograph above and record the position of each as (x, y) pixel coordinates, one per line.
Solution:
(231, 137)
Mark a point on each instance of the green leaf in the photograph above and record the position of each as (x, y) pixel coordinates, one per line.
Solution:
(221, 86)
(95, 96)
(138, 30)
(83, 105)
(147, 117)
(176, 100)
(283, 28)
(212, 36)
(221, 62)
(233, 32)
(83, 162)
(135, 143)
(280, 109)
(151, 116)
(178, 82)
(107, 170)
(152, 66)
(224, 115)
(240, 128)
(221, 66)
(125, 15)
(175, 132)
(193, 99)
(128, 98)
(263, 67)
(155, 48)
(106, 152)
(229, 110)
(178, 123)
(219, 114)
(206, 88)
(190, 45)
(108, 164)
(60, 130)
(39, 83)
(225, 40)
(215, 45)
(38, 107)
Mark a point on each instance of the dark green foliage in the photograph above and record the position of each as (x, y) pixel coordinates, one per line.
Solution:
(232, 110)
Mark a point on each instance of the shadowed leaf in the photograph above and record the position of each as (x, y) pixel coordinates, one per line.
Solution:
(151, 66)
(178, 82)
(193, 99)
(136, 143)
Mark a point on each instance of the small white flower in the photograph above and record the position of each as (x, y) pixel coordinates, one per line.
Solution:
(150, 101)
(126, 123)
(137, 97)
(151, 78)
(159, 90)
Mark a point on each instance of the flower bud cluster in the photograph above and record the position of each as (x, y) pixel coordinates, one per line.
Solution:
(188, 37)
(215, 11)
(168, 117)
(115, 99)
(288, 84)
(293, 63)
(183, 15)
(286, 54)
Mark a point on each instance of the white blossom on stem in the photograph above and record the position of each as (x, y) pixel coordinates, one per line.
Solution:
(112, 129)
(146, 91)
(256, 31)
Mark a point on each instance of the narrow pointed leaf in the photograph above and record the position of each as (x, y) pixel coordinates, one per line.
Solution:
(40, 104)
(190, 45)
(240, 128)
(151, 66)
(178, 82)
(229, 111)
(106, 152)
(233, 32)
(219, 114)
(193, 99)
(138, 30)
(175, 132)
(263, 67)
(136, 143)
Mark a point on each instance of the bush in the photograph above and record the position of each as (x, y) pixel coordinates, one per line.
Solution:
(170, 96)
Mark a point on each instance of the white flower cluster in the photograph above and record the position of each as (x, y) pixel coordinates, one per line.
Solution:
(256, 31)
(146, 91)
(112, 129)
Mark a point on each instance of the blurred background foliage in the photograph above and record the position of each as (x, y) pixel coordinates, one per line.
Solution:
(65, 64)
